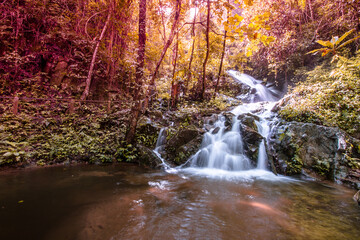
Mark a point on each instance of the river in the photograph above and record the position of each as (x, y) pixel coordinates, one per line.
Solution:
(124, 201)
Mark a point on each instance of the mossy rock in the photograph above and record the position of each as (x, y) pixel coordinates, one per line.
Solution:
(147, 134)
(183, 144)
(146, 157)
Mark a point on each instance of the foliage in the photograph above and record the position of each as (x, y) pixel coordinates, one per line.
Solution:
(334, 45)
(88, 135)
(329, 96)
(296, 25)
(126, 153)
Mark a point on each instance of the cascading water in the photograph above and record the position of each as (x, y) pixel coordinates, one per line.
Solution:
(223, 147)
(259, 92)
(159, 147)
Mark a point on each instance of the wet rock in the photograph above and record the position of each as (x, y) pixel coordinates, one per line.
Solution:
(183, 144)
(216, 130)
(228, 119)
(249, 119)
(148, 158)
(251, 140)
(326, 151)
(211, 120)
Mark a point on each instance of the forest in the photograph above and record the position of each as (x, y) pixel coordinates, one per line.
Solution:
(78, 77)
(179, 119)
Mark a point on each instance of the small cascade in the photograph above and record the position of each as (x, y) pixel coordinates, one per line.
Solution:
(264, 130)
(223, 145)
(258, 90)
(161, 140)
(222, 149)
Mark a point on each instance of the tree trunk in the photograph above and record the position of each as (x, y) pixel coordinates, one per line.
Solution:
(203, 81)
(151, 88)
(222, 60)
(163, 24)
(136, 110)
(174, 82)
(188, 79)
(88, 79)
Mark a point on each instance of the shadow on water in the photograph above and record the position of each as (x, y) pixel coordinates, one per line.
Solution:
(128, 202)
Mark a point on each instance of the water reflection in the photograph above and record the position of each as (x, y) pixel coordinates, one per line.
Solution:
(127, 202)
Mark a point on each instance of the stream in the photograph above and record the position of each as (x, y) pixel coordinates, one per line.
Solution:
(220, 193)
(124, 201)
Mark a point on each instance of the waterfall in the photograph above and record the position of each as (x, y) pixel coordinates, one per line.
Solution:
(161, 140)
(258, 90)
(223, 146)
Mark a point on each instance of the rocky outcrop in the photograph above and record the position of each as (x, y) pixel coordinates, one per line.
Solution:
(250, 135)
(182, 145)
(309, 148)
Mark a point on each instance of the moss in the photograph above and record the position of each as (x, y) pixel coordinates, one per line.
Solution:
(294, 166)
(179, 159)
(127, 152)
(329, 96)
(322, 167)
(353, 163)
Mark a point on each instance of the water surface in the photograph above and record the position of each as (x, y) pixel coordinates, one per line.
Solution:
(129, 202)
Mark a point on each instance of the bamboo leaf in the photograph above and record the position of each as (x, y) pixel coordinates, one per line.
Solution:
(348, 42)
(344, 36)
(317, 50)
(325, 52)
(325, 43)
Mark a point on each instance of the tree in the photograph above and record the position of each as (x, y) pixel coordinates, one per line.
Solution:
(130, 135)
(222, 54)
(203, 80)
(92, 64)
(188, 79)
(151, 88)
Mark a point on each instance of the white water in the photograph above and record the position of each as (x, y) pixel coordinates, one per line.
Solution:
(259, 92)
(159, 147)
(222, 152)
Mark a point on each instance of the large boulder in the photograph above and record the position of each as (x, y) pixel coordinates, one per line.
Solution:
(183, 144)
(148, 158)
(308, 148)
(250, 135)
